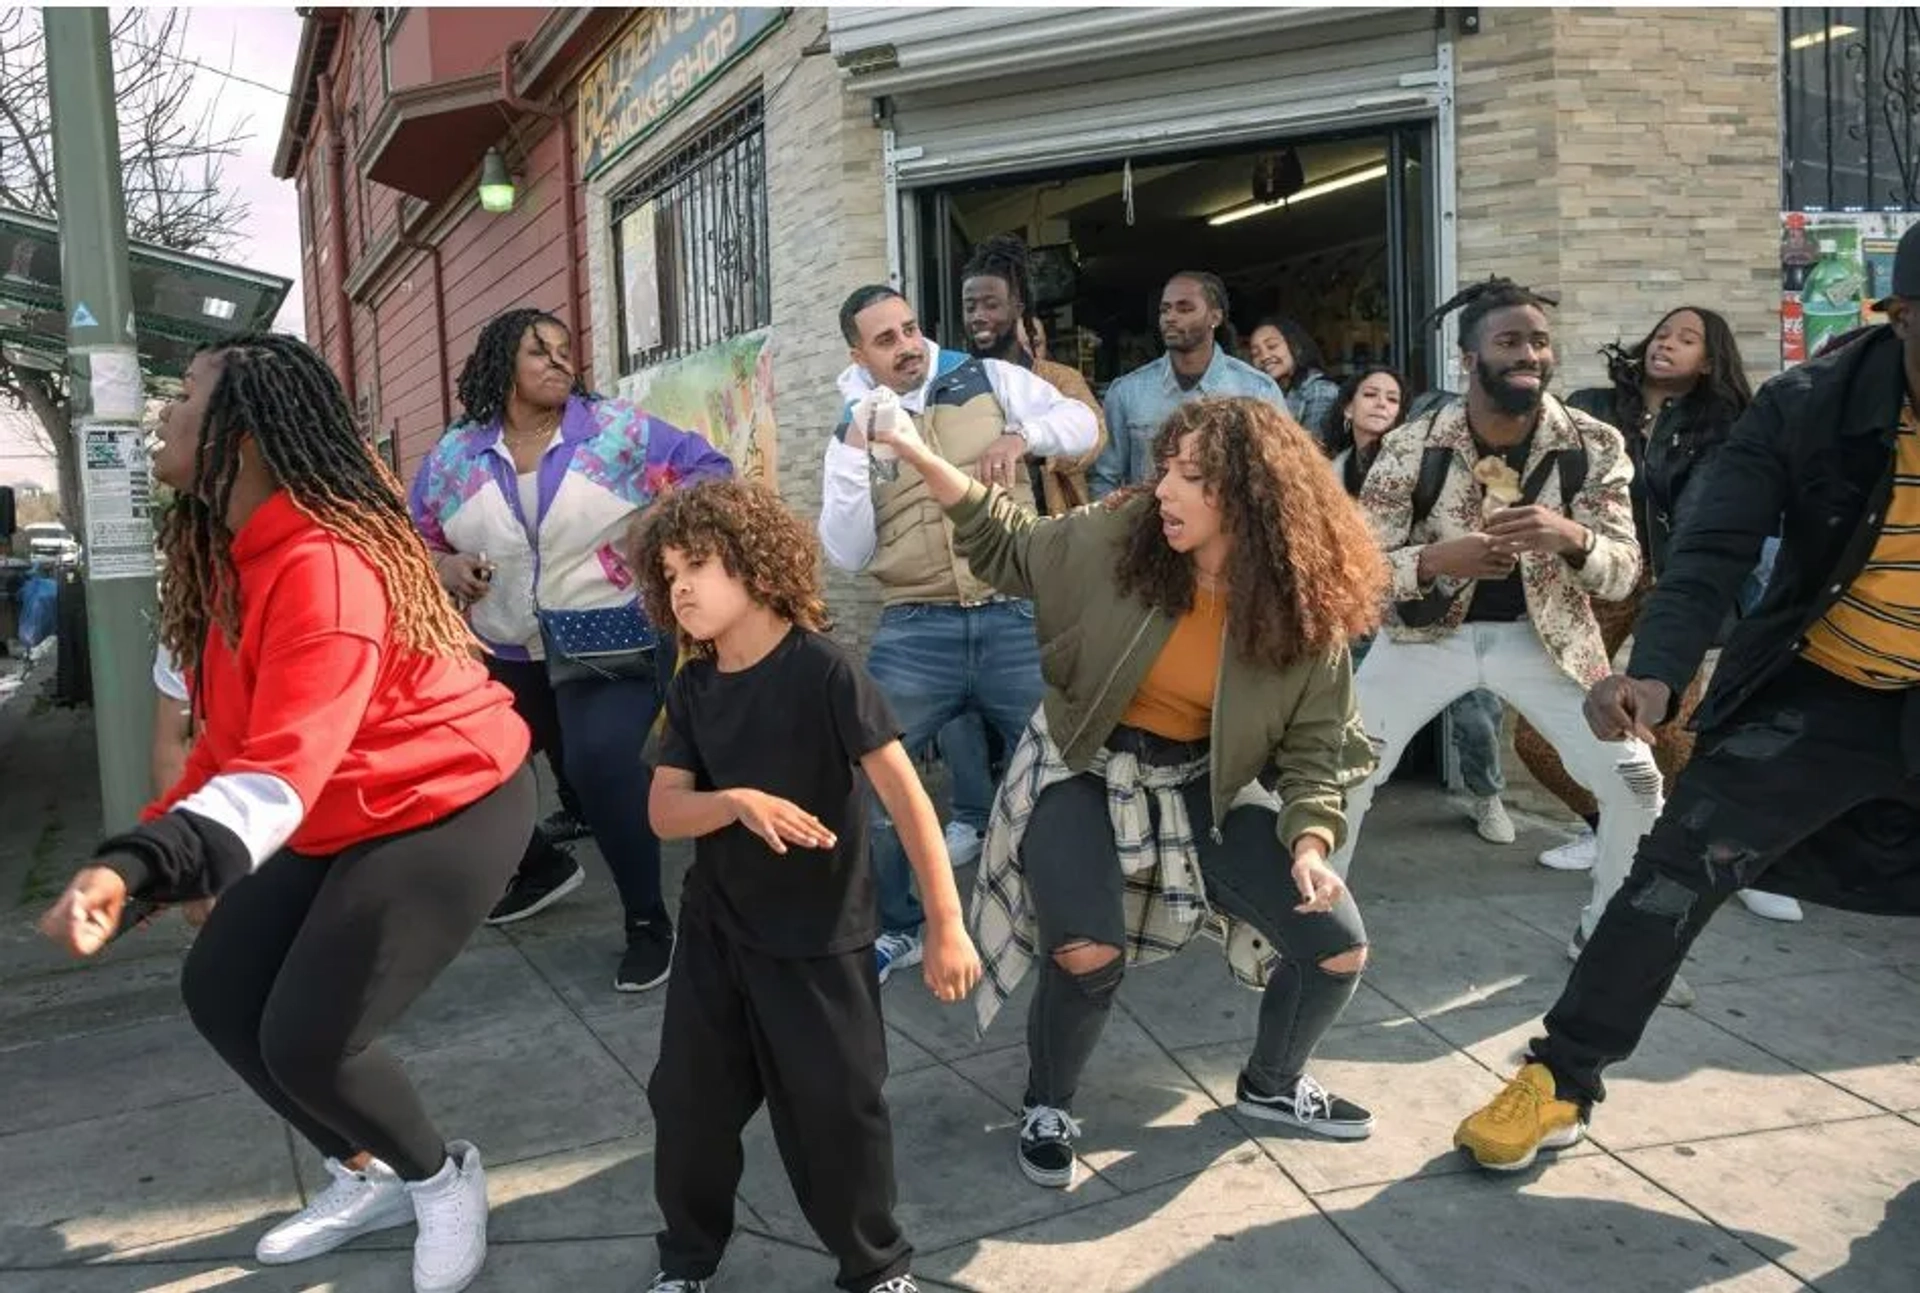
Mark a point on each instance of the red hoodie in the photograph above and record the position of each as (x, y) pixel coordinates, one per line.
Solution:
(318, 731)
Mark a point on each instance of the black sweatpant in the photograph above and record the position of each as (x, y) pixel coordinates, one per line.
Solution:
(805, 1037)
(1812, 792)
(304, 963)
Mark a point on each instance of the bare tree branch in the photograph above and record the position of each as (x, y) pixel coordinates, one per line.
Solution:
(174, 145)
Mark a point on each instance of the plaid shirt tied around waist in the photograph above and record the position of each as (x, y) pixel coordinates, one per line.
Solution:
(1165, 899)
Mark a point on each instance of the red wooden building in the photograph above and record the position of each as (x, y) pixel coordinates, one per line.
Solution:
(393, 117)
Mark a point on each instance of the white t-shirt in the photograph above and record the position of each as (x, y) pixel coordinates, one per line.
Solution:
(167, 678)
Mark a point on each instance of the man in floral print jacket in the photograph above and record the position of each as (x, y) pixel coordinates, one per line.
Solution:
(1502, 516)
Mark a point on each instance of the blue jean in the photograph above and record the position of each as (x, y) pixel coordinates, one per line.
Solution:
(1476, 739)
(606, 722)
(969, 760)
(1475, 720)
(934, 663)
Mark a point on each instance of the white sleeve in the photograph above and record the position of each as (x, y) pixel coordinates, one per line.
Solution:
(1055, 426)
(846, 508)
(167, 678)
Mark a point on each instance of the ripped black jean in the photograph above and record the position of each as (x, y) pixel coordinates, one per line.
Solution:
(1815, 786)
(1075, 883)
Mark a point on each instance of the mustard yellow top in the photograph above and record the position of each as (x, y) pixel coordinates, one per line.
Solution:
(1176, 700)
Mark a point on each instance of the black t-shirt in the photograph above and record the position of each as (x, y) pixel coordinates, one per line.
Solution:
(1501, 601)
(794, 725)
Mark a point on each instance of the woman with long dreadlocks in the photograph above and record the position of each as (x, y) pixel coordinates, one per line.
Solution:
(523, 503)
(356, 796)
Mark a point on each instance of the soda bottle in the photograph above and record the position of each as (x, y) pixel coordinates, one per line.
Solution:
(1830, 300)
(1797, 256)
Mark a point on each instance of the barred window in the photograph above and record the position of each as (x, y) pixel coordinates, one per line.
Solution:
(1850, 82)
(690, 243)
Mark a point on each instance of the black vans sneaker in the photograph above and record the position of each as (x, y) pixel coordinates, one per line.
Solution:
(1046, 1146)
(534, 891)
(648, 957)
(1308, 1106)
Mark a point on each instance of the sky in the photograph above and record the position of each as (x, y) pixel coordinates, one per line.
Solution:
(237, 47)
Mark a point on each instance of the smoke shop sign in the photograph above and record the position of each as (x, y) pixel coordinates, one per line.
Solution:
(656, 65)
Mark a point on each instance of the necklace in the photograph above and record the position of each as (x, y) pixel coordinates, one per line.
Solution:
(523, 439)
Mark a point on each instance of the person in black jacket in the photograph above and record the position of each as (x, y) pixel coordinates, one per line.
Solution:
(1675, 397)
(1807, 770)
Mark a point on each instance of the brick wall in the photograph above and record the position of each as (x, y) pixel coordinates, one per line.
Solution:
(828, 231)
(1630, 160)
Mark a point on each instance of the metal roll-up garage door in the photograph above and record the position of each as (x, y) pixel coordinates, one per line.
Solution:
(974, 92)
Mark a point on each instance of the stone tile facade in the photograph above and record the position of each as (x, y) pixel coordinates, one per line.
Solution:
(1630, 160)
(827, 225)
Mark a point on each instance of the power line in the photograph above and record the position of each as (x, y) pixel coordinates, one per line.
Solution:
(204, 67)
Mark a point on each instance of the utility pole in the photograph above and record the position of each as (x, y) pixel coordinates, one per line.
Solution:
(106, 402)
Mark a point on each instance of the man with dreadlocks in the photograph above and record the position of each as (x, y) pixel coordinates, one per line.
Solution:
(996, 300)
(523, 503)
(1199, 362)
(1503, 515)
(356, 796)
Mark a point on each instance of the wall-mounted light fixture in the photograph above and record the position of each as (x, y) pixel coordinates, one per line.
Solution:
(496, 185)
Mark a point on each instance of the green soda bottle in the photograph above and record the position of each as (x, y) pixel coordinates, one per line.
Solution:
(1831, 298)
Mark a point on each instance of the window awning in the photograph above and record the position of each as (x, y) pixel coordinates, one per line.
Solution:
(429, 139)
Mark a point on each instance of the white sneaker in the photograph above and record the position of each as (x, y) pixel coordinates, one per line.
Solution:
(1577, 854)
(1772, 906)
(1491, 820)
(963, 844)
(357, 1203)
(452, 1210)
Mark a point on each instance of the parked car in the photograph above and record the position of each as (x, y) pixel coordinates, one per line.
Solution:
(49, 541)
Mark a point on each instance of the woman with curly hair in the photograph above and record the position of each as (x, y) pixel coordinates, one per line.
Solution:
(1194, 640)
(356, 795)
(522, 503)
(775, 997)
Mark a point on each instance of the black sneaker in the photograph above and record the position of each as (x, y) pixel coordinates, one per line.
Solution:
(562, 827)
(898, 1284)
(648, 957)
(530, 892)
(1046, 1146)
(1308, 1106)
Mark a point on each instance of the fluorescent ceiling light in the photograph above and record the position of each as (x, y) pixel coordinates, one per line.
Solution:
(216, 308)
(1321, 189)
(1813, 38)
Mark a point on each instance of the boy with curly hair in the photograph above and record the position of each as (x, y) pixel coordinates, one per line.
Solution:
(775, 996)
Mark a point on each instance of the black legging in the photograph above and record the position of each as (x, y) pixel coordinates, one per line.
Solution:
(304, 963)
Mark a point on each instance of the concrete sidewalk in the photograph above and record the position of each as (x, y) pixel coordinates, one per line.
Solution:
(1767, 1140)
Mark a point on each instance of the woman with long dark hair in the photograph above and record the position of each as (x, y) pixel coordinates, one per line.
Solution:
(523, 503)
(356, 795)
(1674, 396)
(1286, 352)
(1193, 636)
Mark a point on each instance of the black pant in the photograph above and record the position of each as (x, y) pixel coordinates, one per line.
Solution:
(304, 963)
(805, 1037)
(1806, 793)
(1076, 886)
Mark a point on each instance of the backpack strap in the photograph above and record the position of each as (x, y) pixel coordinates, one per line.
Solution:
(1436, 460)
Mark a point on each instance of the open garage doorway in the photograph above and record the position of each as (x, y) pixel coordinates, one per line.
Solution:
(1332, 230)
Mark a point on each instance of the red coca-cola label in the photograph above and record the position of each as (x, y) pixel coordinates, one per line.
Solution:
(1793, 330)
